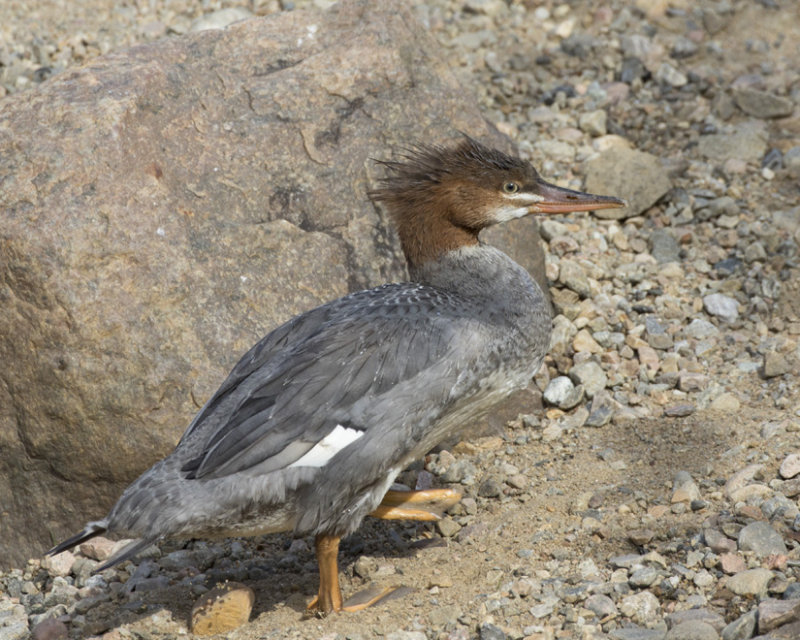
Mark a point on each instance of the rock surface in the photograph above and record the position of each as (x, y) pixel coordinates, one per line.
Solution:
(204, 189)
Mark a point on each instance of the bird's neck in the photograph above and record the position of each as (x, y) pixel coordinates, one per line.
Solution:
(426, 237)
(478, 271)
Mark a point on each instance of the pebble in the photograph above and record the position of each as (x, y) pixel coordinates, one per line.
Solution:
(750, 582)
(721, 306)
(590, 376)
(774, 613)
(684, 488)
(692, 630)
(561, 393)
(742, 628)
(775, 365)
(762, 104)
(222, 609)
(760, 538)
(790, 467)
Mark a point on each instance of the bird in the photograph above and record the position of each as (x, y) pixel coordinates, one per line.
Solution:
(310, 429)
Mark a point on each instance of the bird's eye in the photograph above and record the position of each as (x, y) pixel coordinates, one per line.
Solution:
(510, 187)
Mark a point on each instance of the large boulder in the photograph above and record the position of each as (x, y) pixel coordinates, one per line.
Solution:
(165, 206)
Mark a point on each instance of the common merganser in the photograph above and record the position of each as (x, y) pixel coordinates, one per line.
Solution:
(312, 426)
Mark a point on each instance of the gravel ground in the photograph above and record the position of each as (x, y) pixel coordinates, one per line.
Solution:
(655, 496)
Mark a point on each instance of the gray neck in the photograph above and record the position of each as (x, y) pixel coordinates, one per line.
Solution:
(487, 276)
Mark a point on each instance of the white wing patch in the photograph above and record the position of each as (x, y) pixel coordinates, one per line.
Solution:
(329, 446)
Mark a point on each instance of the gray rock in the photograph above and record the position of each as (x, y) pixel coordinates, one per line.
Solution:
(692, 630)
(684, 488)
(634, 175)
(791, 160)
(775, 365)
(590, 375)
(696, 615)
(742, 628)
(774, 613)
(760, 538)
(642, 607)
(643, 577)
(561, 393)
(186, 232)
(656, 334)
(593, 123)
(670, 75)
(636, 633)
(790, 467)
(601, 605)
(700, 328)
(721, 306)
(48, 629)
(750, 582)
(664, 247)
(748, 142)
(573, 276)
(762, 104)
(491, 632)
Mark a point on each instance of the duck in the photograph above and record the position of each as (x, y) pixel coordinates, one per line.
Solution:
(310, 429)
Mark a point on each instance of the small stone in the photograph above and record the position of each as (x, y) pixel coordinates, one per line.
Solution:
(790, 467)
(48, 629)
(573, 276)
(696, 615)
(98, 548)
(742, 628)
(742, 478)
(643, 577)
(641, 607)
(774, 613)
(689, 381)
(750, 582)
(700, 328)
(725, 402)
(641, 537)
(775, 365)
(584, 342)
(679, 410)
(718, 542)
(447, 527)
(721, 306)
(561, 393)
(590, 375)
(601, 605)
(670, 75)
(663, 246)
(59, 564)
(684, 488)
(491, 632)
(762, 104)
(692, 630)
(593, 123)
(490, 488)
(222, 609)
(760, 538)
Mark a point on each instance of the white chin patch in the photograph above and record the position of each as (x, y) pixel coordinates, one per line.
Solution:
(509, 212)
(329, 446)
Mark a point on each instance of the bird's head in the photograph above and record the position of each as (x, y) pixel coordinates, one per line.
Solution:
(441, 197)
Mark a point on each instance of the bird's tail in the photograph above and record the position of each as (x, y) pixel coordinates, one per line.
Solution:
(90, 531)
(95, 529)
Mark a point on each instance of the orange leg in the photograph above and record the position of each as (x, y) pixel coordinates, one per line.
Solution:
(416, 505)
(329, 597)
